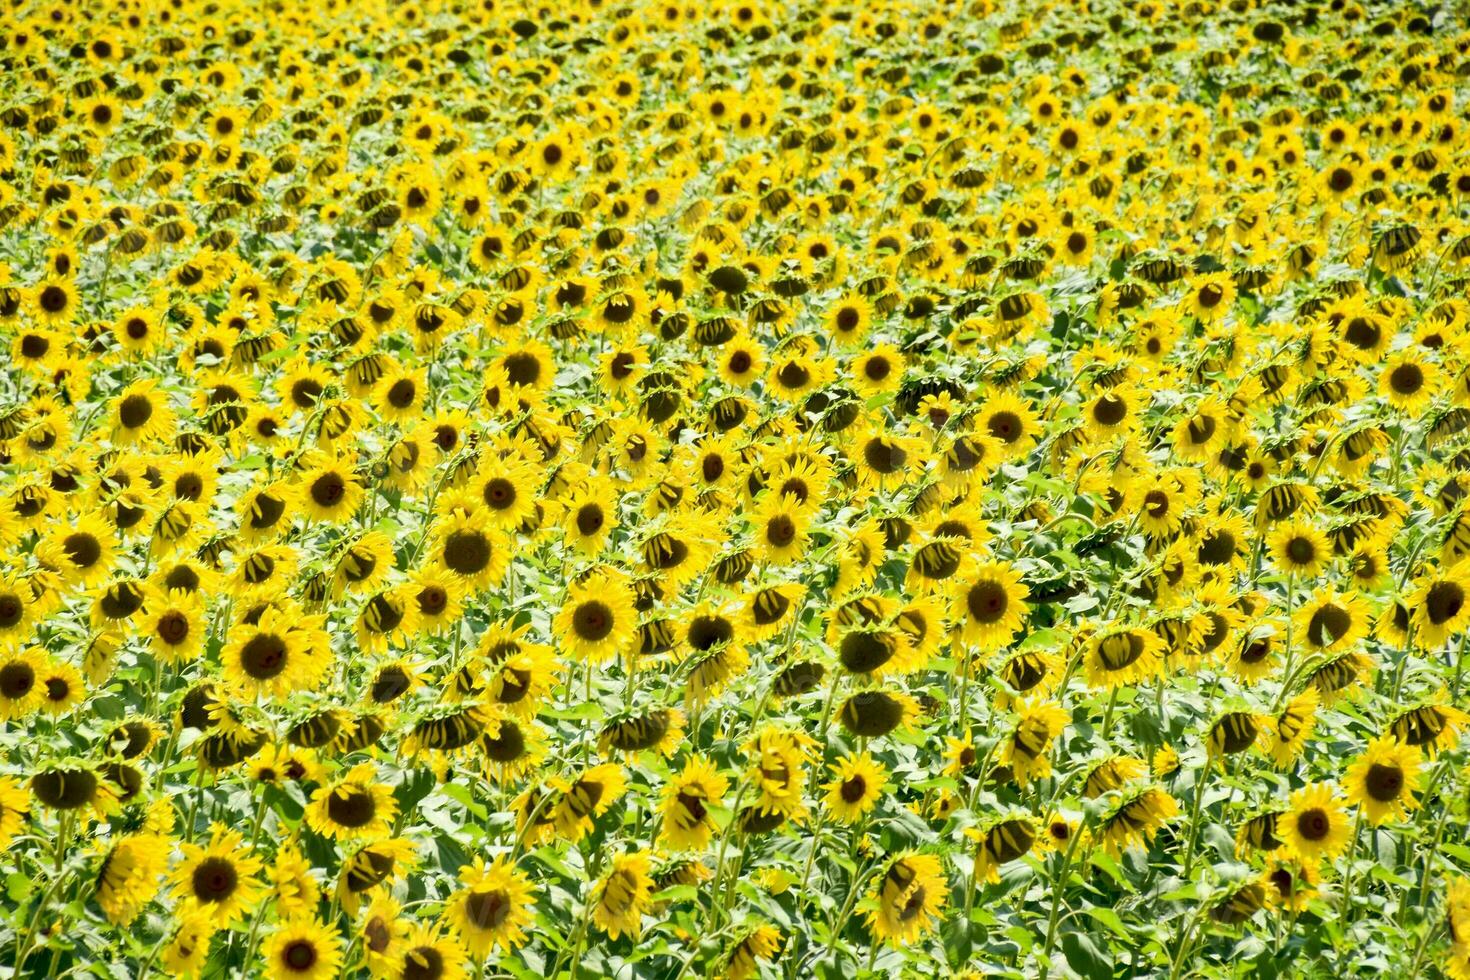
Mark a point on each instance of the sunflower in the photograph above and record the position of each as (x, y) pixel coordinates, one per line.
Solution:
(597, 621)
(1162, 499)
(989, 606)
(130, 875)
(362, 563)
(679, 550)
(1382, 780)
(1253, 656)
(512, 750)
(885, 458)
(1211, 296)
(493, 908)
(1440, 604)
(187, 948)
(770, 609)
(622, 896)
(1290, 884)
(520, 681)
(1409, 382)
(849, 319)
(586, 797)
(1123, 656)
(780, 528)
(1010, 838)
(369, 866)
(1234, 732)
(140, 413)
(61, 687)
(15, 806)
(267, 656)
(1135, 818)
(18, 610)
(742, 361)
(1113, 772)
(778, 758)
(301, 948)
(219, 878)
(1431, 725)
(81, 552)
(1300, 548)
(139, 331)
(265, 511)
(856, 786)
(506, 487)
(467, 547)
(357, 806)
(907, 899)
(877, 371)
(436, 597)
(54, 302)
(1332, 621)
(429, 954)
(329, 491)
(757, 943)
(21, 691)
(875, 713)
(687, 804)
(1315, 826)
(1026, 748)
(1010, 420)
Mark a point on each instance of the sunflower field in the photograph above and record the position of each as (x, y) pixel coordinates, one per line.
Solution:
(748, 488)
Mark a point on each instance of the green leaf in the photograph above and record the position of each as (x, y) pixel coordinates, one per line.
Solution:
(1084, 956)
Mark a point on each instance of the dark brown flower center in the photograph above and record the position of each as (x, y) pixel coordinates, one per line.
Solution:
(351, 806)
(1384, 783)
(987, 601)
(487, 910)
(328, 490)
(467, 552)
(263, 656)
(11, 609)
(1444, 602)
(82, 549)
(1313, 824)
(299, 955)
(214, 880)
(134, 411)
(592, 621)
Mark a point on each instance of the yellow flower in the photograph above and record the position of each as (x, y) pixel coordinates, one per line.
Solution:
(493, 908)
(856, 786)
(1315, 826)
(687, 804)
(301, 948)
(218, 879)
(622, 897)
(356, 807)
(907, 899)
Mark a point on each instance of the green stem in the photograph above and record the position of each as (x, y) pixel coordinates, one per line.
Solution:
(1194, 819)
(1348, 877)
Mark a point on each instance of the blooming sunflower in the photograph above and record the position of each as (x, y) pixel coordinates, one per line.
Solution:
(219, 879)
(907, 899)
(622, 896)
(597, 620)
(989, 606)
(856, 786)
(687, 804)
(302, 948)
(493, 907)
(1381, 782)
(1315, 826)
(357, 806)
